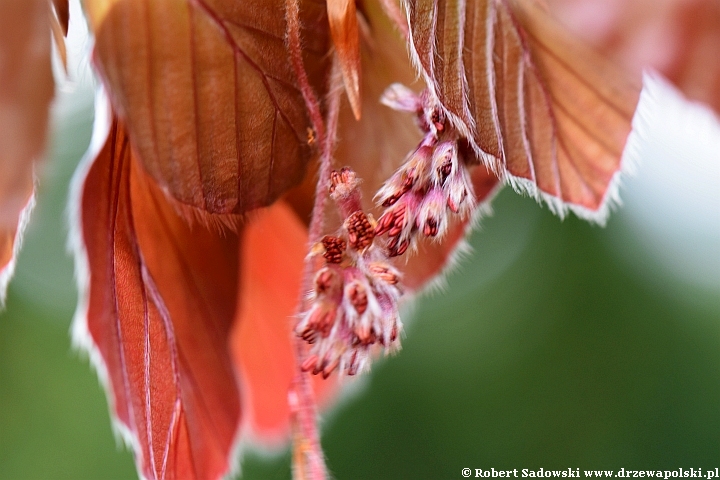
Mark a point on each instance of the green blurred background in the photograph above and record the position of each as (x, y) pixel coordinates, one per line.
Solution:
(556, 344)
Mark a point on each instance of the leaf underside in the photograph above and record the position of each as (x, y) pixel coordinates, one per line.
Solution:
(210, 100)
(547, 114)
(273, 251)
(678, 38)
(160, 306)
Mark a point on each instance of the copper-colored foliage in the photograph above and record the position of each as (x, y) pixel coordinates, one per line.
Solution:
(554, 115)
(273, 251)
(161, 302)
(26, 88)
(342, 16)
(208, 94)
(679, 38)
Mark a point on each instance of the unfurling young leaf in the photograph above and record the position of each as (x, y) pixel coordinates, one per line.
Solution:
(343, 21)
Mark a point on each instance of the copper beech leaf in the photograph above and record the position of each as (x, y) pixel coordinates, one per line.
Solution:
(159, 302)
(679, 38)
(546, 113)
(272, 255)
(26, 89)
(209, 96)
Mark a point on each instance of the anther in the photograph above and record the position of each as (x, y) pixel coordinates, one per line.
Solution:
(360, 231)
(324, 280)
(431, 227)
(358, 298)
(309, 363)
(384, 274)
(397, 248)
(352, 366)
(444, 170)
(392, 221)
(334, 248)
(329, 367)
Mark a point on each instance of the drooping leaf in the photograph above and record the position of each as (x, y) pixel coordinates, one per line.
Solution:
(209, 96)
(159, 302)
(679, 38)
(342, 17)
(549, 115)
(273, 251)
(26, 89)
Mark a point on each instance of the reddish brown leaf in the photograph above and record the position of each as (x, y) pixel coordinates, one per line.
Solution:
(209, 96)
(679, 38)
(26, 88)
(160, 303)
(547, 114)
(273, 250)
(342, 16)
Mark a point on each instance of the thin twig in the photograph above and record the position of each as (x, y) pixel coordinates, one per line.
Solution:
(292, 17)
(307, 445)
(309, 462)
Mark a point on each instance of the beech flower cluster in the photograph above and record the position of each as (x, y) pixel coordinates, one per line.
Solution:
(353, 304)
(354, 298)
(432, 184)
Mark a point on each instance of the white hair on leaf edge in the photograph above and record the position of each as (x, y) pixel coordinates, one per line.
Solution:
(81, 339)
(8, 271)
(628, 164)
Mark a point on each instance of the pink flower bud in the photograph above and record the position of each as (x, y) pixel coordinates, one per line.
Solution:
(398, 97)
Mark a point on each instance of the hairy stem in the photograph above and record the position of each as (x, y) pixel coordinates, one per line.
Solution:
(308, 459)
(292, 17)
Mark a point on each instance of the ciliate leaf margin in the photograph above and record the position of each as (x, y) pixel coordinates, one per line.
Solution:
(528, 187)
(8, 270)
(81, 339)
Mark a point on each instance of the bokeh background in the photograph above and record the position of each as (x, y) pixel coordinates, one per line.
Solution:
(556, 344)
